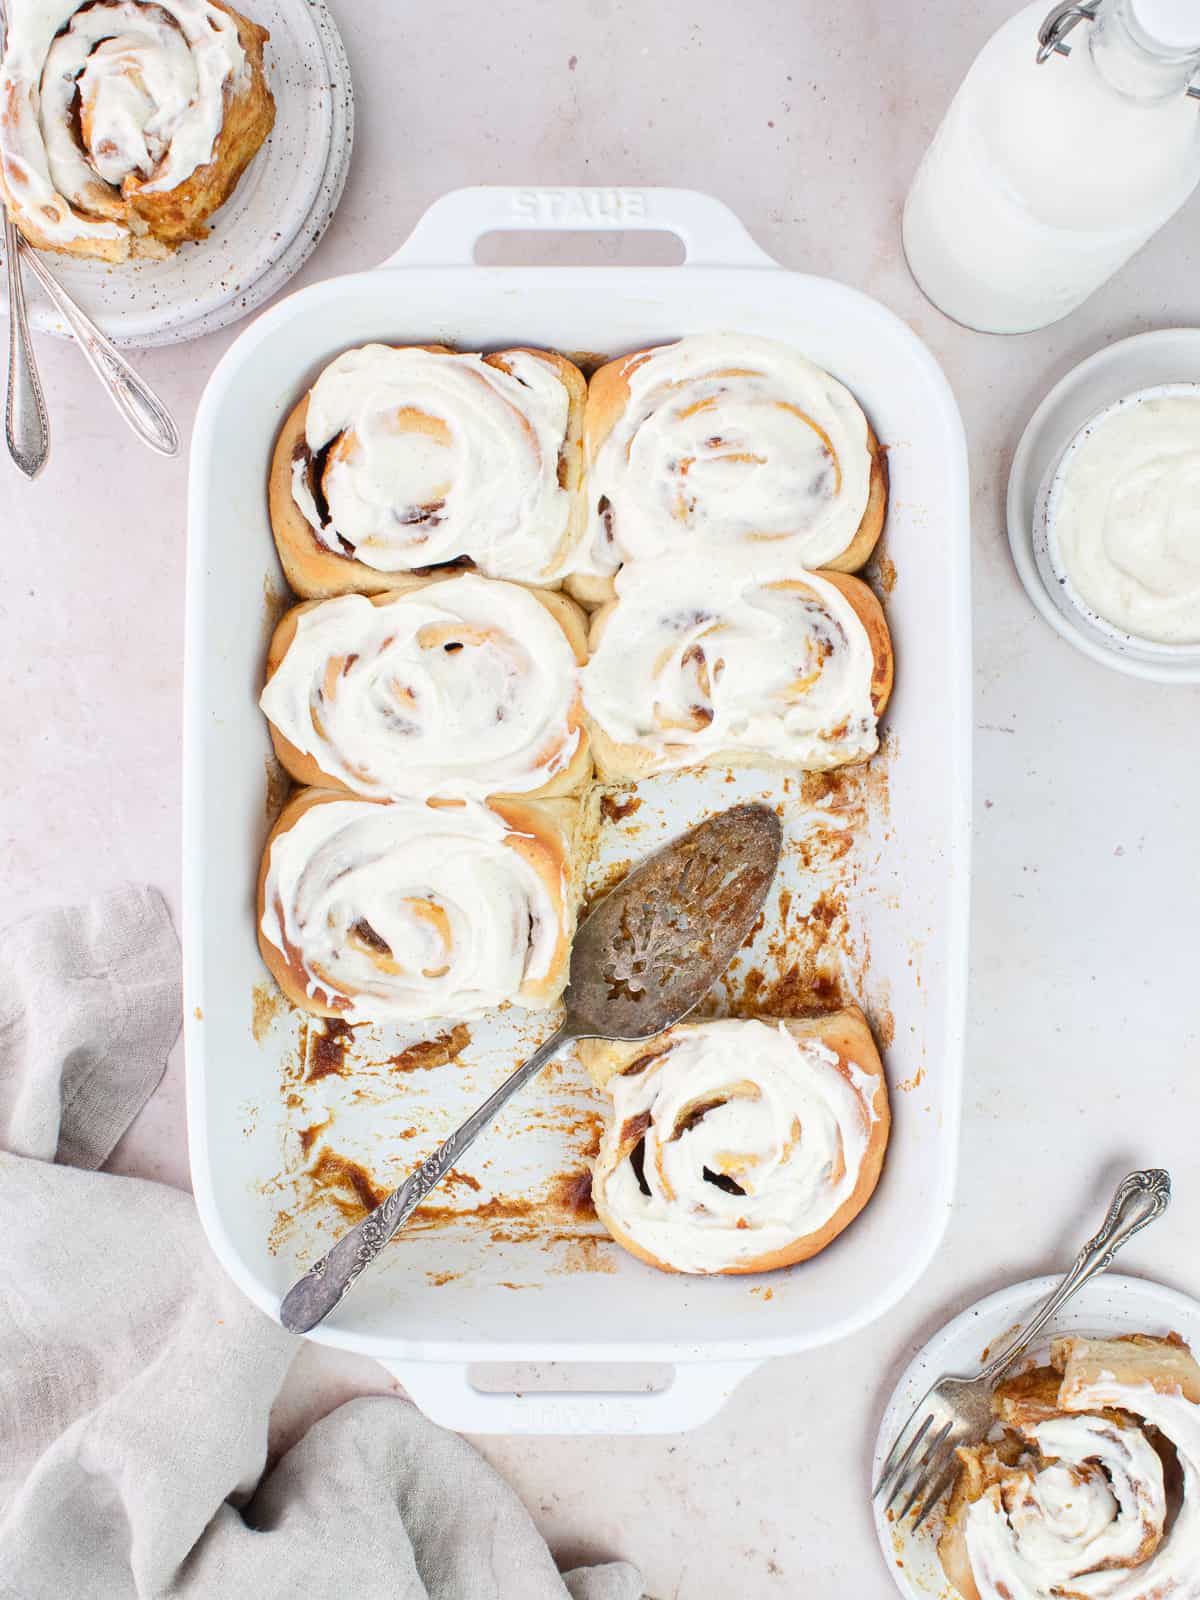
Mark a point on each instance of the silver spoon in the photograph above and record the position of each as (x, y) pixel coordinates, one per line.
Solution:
(644, 957)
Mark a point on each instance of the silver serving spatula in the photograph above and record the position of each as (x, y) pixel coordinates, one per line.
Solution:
(644, 957)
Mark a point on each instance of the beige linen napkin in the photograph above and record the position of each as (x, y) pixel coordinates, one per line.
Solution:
(136, 1382)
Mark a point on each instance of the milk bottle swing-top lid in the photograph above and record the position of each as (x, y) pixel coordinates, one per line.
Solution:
(1169, 25)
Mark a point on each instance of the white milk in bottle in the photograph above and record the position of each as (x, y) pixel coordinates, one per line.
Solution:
(1045, 177)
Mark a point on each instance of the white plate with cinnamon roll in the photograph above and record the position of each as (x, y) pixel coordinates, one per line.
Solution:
(1088, 1484)
(530, 613)
(179, 158)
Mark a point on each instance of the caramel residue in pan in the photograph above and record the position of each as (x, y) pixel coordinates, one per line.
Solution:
(279, 787)
(348, 1185)
(198, 1014)
(586, 1254)
(885, 573)
(266, 1003)
(572, 1192)
(588, 361)
(430, 1053)
(615, 808)
(455, 1179)
(309, 1136)
(327, 1056)
(437, 1279)
(275, 602)
(611, 878)
(280, 1229)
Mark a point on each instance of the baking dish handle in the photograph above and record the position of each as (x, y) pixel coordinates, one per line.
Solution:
(447, 234)
(445, 1393)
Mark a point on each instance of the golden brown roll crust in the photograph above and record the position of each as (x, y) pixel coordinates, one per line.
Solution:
(624, 762)
(553, 836)
(847, 1034)
(183, 212)
(306, 769)
(315, 572)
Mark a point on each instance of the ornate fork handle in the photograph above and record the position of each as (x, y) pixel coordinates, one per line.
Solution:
(131, 394)
(1140, 1198)
(314, 1296)
(26, 425)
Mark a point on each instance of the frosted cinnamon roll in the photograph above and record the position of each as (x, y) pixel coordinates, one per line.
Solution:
(1077, 1496)
(739, 1146)
(721, 442)
(713, 662)
(380, 913)
(402, 459)
(453, 688)
(124, 124)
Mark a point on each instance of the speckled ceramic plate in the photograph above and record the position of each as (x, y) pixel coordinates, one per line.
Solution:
(269, 226)
(1108, 1306)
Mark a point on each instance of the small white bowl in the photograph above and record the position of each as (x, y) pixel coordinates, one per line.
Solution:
(1167, 356)
(1051, 565)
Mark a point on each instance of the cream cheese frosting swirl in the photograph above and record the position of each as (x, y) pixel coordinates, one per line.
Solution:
(458, 690)
(727, 440)
(104, 99)
(729, 1142)
(407, 911)
(414, 458)
(696, 659)
(1126, 515)
(1084, 1513)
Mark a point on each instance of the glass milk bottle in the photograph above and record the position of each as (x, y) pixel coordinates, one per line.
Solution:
(1072, 139)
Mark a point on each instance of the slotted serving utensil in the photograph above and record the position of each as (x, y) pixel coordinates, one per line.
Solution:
(920, 1466)
(644, 957)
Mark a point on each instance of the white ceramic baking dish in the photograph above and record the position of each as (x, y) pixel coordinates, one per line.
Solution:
(451, 1297)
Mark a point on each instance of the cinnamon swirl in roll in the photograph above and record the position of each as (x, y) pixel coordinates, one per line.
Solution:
(713, 662)
(405, 459)
(726, 442)
(454, 688)
(394, 912)
(739, 1146)
(1092, 1488)
(125, 124)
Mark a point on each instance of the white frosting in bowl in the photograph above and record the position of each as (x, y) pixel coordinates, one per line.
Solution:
(458, 690)
(101, 95)
(1119, 523)
(729, 440)
(698, 658)
(749, 1103)
(436, 456)
(408, 911)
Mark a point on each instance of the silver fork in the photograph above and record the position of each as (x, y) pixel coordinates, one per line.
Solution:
(957, 1411)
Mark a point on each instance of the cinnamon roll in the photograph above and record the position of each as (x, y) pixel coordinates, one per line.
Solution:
(1077, 1496)
(456, 688)
(739, 1146)
(726, 441)
(713, 662)
(124, 124)
(379, 913)
(403, 459)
